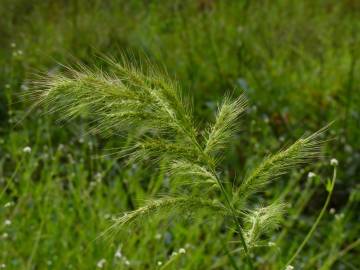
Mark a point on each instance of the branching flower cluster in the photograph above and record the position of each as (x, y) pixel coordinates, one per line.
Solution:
(146, 103)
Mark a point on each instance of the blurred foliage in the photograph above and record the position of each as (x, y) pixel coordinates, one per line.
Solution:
(297, 61)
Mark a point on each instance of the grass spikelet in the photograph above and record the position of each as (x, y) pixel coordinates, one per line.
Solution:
(301, 152)
(226, 124)
(179, 204)
(185, 169)
(262, 221)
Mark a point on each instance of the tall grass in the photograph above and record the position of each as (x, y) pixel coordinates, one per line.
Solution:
(143, 101)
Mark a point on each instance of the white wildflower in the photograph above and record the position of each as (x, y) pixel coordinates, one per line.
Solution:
(289, 267)
(332, 211)
(159, 263)
(27, 149)
(4, 235)
(101, 263)
(7, 222)
(158, 236)
(118, 254)
(126, 262)
(8, 204)
(3, 265)
(334, 162)
(182, 250)
(311, 175)
(174, 253)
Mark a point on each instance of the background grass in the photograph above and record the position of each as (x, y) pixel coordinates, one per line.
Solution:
(297, 61)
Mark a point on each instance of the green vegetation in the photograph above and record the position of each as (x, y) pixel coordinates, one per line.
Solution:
(151, 150)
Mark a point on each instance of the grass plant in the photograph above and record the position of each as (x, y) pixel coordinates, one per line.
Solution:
(295, 61)
(145, 102)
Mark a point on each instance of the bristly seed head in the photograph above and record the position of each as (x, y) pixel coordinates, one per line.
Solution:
(154, 110)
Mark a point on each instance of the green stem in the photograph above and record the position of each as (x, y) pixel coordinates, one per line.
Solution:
(236, 221)
(322, 212)
(228, 202)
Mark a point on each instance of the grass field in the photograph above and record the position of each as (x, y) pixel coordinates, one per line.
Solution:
(296, 62)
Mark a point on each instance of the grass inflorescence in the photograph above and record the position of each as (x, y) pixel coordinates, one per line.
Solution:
(144, 102)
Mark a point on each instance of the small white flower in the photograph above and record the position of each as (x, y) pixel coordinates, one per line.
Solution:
(3, 265)
(101, 263)
(174, 253)
(311, 175)
(289, 267)
(27, 149)
(8, 204)
(20, 52)
(127, 262)
(5, 236)
(334, 162)
(332, 211)
(159, 263)
(7, 222)
(13, 45)
(182, 250)
(118, 254)
(158, 236)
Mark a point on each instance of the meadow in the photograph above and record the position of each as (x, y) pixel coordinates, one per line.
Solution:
(62, 186)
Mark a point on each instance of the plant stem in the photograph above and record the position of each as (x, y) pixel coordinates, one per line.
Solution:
(322, 212)
(228, 202)
(236, 221)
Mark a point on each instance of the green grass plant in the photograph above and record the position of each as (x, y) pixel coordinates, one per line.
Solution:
(143, 101)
